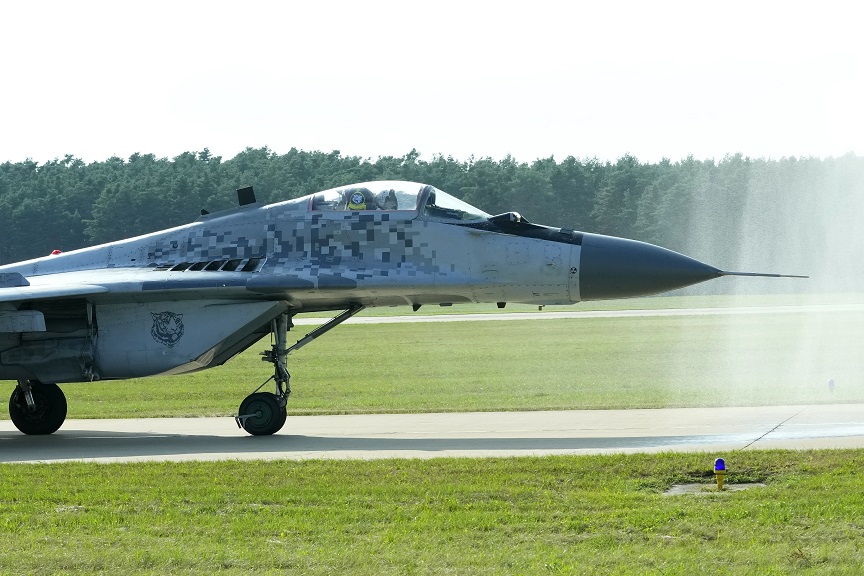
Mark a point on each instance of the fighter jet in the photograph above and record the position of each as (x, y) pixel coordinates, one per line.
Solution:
(192, 297)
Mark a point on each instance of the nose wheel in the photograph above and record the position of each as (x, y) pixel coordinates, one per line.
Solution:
(263, 414)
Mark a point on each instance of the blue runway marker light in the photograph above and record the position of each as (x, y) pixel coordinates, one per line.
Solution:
(720, 471)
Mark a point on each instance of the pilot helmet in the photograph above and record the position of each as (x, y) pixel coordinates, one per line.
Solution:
(357, 199)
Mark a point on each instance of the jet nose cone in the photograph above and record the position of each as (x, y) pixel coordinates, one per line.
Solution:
(620, 268)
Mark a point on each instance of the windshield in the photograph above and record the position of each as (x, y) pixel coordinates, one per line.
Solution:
(442, 205)
(395, 195)
(369, 196)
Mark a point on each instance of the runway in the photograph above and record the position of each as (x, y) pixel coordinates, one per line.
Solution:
(719, 431)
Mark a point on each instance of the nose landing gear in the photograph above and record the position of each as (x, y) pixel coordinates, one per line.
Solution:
(264, 413)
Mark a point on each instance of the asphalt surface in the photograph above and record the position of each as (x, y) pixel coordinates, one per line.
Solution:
(486, 434)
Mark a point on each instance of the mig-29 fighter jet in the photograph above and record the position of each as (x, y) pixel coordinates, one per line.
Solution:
(194, 296)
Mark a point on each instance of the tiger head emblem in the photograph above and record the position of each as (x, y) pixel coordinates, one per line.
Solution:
(167, 328)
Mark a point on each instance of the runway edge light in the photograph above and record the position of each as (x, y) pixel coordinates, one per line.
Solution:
(720, 471)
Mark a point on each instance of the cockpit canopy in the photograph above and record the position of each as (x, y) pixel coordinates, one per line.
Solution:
(395, 195)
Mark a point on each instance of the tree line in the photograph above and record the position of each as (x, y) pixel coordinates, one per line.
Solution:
(684, 205)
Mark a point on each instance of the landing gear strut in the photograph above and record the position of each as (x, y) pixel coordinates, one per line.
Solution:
(264, 413)
(37, 408)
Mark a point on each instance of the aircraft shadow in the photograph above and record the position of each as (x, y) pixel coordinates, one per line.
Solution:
(91, 444)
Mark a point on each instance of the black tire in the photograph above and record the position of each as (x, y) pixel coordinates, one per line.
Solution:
(48, 414)
(267, 416)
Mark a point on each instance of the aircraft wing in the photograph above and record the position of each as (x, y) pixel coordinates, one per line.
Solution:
(113, 283)
(149, 284)
(14, 287)
(26, 293)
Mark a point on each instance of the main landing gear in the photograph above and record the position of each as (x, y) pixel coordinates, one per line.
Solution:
(37, 408)
(264, 413)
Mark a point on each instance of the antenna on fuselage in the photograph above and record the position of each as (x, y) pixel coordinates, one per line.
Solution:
(246, 196)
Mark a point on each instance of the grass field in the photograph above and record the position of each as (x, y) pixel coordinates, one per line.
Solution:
(517, 365)
(553, 515)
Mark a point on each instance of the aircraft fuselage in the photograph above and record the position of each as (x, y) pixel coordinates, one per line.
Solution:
(193, 296)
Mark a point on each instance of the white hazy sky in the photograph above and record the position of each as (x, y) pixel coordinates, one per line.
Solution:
(459, 78)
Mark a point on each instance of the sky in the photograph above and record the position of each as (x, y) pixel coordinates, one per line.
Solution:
(601, 79)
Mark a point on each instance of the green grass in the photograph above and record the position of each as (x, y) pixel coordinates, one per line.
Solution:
(553, 515)
(524, 365)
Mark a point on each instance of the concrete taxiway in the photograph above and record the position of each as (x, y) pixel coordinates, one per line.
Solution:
(486, 434)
